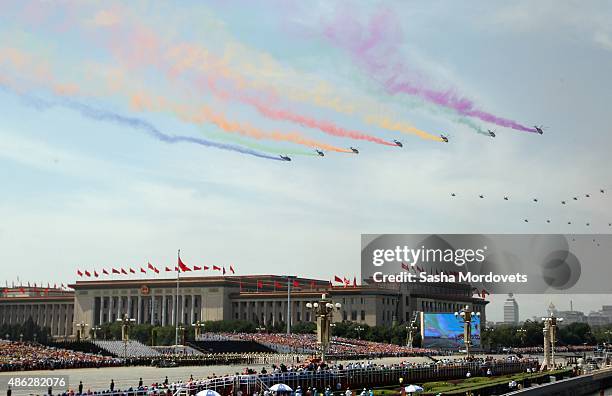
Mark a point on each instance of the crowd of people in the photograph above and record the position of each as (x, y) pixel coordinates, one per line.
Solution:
(17, 356)
(540, 350)
(304, 343)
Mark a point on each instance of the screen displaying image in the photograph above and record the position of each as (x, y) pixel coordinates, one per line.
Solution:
(444, 330)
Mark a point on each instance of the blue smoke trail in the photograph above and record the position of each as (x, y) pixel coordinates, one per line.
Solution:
(149, 129)
(132, 122)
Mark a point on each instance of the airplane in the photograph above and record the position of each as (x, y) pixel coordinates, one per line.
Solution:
(491, 133)
(444, 138)
(398, 143)
(539, 129)
(354, 150)
(285, 158)
(320, 153)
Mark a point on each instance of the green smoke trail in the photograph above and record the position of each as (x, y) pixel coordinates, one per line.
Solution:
(256, 145)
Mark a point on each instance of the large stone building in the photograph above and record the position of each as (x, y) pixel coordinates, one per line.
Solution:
(262, 299)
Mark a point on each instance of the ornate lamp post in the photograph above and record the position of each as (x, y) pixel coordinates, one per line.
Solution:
(94, 331)
(323, 310)
(550, 338)
(81, 330)
(197, 328)
(466, 315)
(522, 333)
(359, 329)
(181, 330)
(411, 328)
(126, 322)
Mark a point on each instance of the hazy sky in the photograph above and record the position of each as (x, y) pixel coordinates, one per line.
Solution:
(84, 189)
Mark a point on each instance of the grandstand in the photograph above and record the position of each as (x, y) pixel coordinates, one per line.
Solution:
(81, 346)
(231, 346)
(130, 348)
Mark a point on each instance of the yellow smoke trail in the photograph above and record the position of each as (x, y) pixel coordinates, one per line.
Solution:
(392, 125)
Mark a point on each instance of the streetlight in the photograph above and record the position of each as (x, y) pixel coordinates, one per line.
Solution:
(126, 322)
(20, 337)
(410, 330)
(522, 333)
(181, 330)
(35, 337)
(550, 338)
(323, 309)
(81, 330)
(466, 315)
(359, 329)
(95, 330)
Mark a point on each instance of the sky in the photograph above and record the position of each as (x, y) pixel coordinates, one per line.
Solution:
(128, 131)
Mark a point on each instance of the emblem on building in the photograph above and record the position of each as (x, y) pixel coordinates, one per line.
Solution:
(144, 289)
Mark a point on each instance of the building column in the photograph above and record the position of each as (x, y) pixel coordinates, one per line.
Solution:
(182, 309)
(152, 309)
(191, 308)
(110, 309)
(118, 307)
(129, 306)
(139, 310)
(163, 310)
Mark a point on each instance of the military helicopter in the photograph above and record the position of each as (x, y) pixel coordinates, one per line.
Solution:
(491, 133)
(354, 150)
(444, 138)
(539, 129)
(398, 143)
(320, 153)
(285, 158)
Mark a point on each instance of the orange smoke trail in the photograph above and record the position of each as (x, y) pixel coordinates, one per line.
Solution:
(204, 114)
(392, 125)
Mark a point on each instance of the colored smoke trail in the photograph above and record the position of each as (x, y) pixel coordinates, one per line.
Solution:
(393, 125)
(258, 146)
(203, 114)
(135, 123)
(149, 129)
(378, 52)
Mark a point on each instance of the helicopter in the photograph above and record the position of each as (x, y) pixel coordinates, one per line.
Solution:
(444, 138)
(320, 153)
(491, 133)
(539, 129)
(285, 158)
(354, 150)
(398, 143)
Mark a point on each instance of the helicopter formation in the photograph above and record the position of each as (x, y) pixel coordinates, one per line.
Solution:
(537, 200)
(444, 138)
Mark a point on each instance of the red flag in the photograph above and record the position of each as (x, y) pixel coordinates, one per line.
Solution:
(354, 281)
(96, 274)
(115, 271)
(206, 268)
(123, 271)
(296, 283)
(405, 266)
(143, 270)
(196, 268)
(182, 265)
(232, 269)
(150, 266)
(132, 271)
(338, 279)
(156, 270)
(79, 273)
(88, 273)
(223, 270)
(105, 272)
(168, 269)
(346, 282)
(216, 268)
(259, 284)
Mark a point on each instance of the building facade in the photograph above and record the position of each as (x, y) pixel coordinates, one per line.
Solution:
(266, 300)
(511, 310)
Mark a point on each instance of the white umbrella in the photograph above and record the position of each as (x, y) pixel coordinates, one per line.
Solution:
(208, 392)
(413, 389)
(280, 388)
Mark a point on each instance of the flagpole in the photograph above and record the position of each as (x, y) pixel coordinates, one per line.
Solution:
(176, 302)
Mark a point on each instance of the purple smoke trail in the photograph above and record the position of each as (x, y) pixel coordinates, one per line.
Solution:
(377, 48)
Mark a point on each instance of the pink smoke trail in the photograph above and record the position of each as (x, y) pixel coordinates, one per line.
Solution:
(376, 47)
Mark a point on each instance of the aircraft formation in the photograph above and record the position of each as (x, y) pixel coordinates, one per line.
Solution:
(562, 202)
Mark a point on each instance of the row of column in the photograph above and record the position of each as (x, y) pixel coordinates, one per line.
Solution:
(149, 309)
(271, 312)
(58, 317)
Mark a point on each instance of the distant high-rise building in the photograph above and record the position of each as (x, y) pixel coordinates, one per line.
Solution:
(511, 310)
